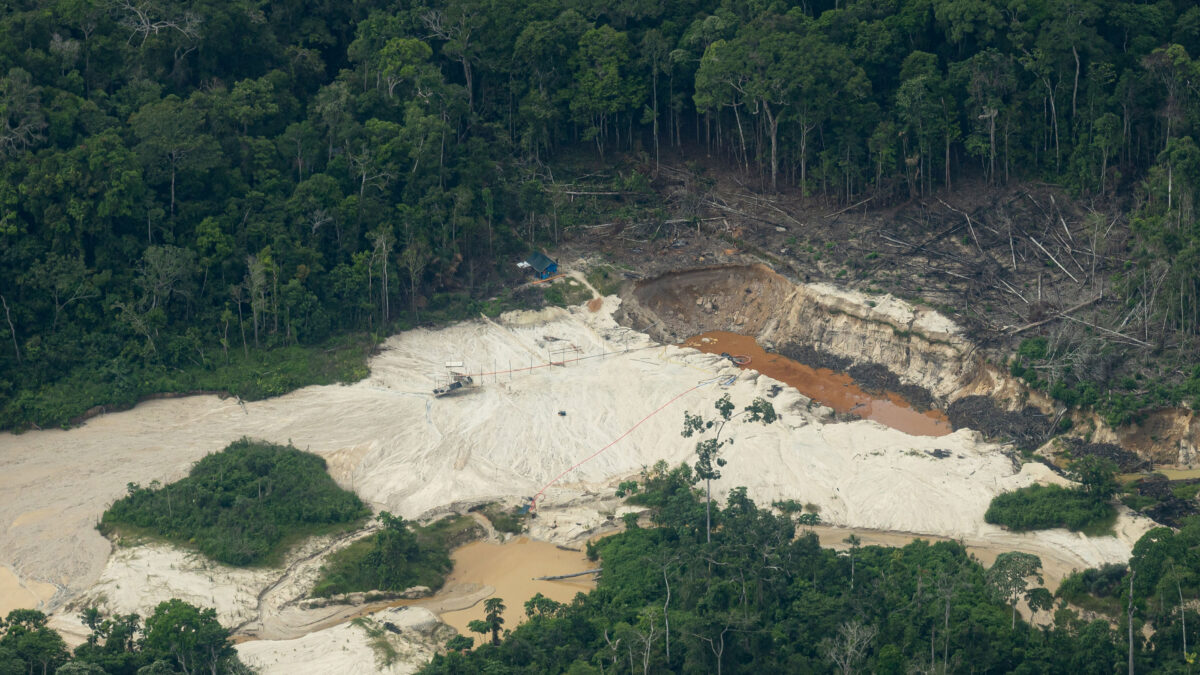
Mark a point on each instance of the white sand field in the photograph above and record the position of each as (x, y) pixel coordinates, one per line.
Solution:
(403, 450)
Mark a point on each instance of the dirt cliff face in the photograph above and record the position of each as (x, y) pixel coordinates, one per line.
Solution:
(1169, 436)
(917, 344)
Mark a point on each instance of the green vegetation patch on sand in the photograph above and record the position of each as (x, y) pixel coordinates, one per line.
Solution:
(508, 520)
(1042, 507)
(244, 505)
(399, 556)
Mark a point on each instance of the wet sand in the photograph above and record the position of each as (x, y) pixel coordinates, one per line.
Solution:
(509, 568)
(15, 595)
(836, 390)
(1057, 564)
(1171, 474)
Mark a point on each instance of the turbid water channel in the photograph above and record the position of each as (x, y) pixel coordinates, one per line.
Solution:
(836, 390)
(510, 568)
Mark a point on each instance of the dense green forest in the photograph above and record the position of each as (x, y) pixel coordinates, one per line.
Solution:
(244, 505)
(175, 638)
(758, 599)
(198, 195)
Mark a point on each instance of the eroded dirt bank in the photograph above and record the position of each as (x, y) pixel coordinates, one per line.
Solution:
(919, 345)
(915, 349)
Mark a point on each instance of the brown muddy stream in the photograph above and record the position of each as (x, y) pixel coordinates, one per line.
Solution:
(836, 390)
(510, 569)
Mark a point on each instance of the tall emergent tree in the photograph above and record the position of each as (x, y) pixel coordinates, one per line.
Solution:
(492, 621)
(759, 410)
(1008, 577)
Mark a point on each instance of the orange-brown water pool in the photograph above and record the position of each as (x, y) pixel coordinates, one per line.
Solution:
(836, 390)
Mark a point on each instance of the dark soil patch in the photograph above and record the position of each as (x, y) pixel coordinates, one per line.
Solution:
(1169, 509)
(814, 358)
(1155, 486)
(1171, 512)
(876, 379)
(1126, 461)
(1027, 428)
(1049, 464)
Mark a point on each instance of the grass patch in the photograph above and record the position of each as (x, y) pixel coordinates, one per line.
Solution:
(1186, 490)
(400, 556)
(448, 308)
(605, 279)
(504, 520)
(1042, 507)
(1138, 502)
(567, 292)
(245, 505)
(377, 638)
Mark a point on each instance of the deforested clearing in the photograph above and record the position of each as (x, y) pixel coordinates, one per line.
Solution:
(503, 439)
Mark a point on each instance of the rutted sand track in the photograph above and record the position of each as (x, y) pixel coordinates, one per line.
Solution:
(403, 450)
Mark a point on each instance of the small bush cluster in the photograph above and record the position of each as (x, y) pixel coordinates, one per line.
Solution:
(397, 557)
(504, 520)
(1041, 507)
(567, 293)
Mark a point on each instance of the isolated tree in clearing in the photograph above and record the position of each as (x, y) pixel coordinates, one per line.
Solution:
(492, 621)
(1007, 577)
(759, 410)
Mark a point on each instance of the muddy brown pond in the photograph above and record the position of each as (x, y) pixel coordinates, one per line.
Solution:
(509, 568)
(836, 390)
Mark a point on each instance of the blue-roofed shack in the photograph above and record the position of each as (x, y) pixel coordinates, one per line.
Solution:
(542, 265)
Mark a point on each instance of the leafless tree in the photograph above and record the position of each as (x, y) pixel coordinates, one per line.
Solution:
(456, 31)
(21, 117)
(717, 645)
(848, 648)
(368, 172)
(13, 331)
(256, 284)
(318, 218)
(144, 18)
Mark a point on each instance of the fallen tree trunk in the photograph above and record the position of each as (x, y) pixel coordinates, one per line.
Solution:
(1060, 315)
(567, 576)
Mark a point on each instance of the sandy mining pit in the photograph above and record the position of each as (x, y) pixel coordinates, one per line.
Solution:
(403, 450)
(920, 346)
